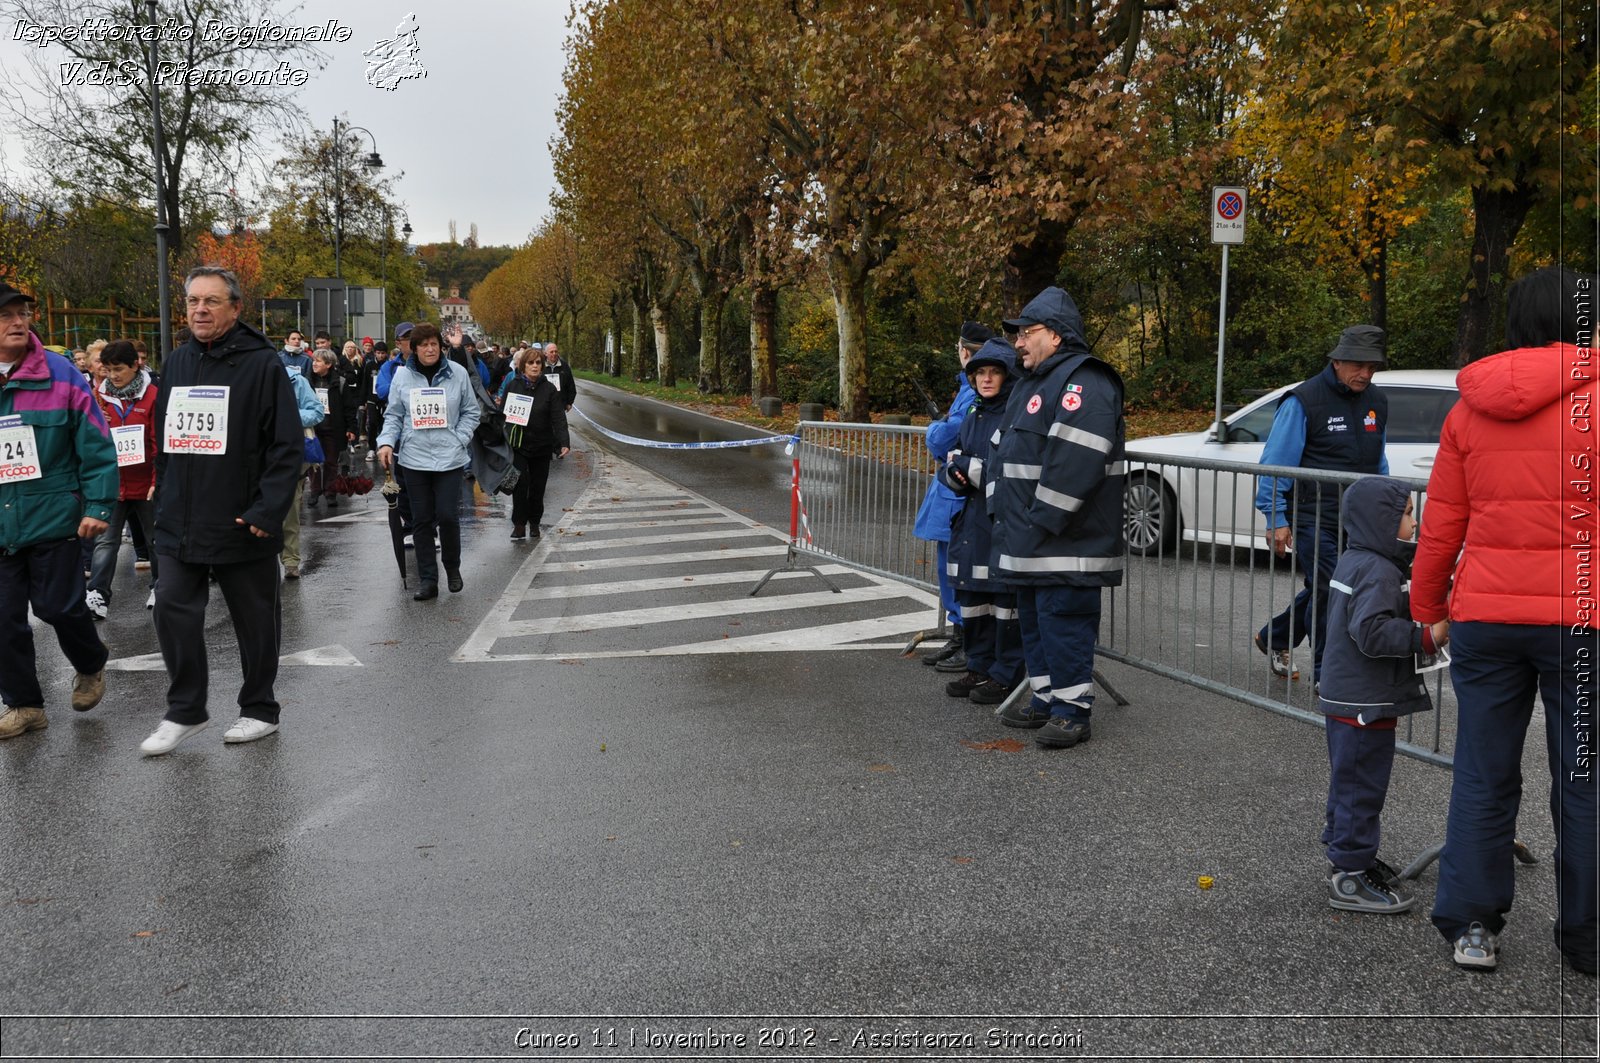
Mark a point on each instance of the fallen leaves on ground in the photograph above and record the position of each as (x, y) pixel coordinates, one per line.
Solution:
(1003, 745)
(880, 767)
(145, 933)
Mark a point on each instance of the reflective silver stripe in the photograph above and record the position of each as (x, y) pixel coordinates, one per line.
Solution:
(988, 489)
(1069, 693)
(975, 472)
(952, 568)
(994, 440)
(1039, 682)
(980, 571)
(1117, 468)
(1336, 585)
(970, 611)
(1060, 564)
(1082, 438)
(1057, 499)
(1020, 472)
(1002, 613)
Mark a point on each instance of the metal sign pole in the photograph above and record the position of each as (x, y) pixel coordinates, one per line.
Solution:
(1227, 227)
(1222, 334)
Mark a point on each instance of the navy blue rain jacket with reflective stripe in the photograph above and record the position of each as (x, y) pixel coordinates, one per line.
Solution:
(1057, 477)
(971, 537)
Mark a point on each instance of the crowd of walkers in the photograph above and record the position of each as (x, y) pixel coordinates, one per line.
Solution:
(207, 468)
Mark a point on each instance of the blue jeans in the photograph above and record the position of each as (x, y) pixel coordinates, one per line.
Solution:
(1316, 551)
(1059, 629)
(49, 576)
(103, 569)
(1496, 668)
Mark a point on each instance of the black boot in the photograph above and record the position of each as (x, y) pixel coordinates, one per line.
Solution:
(429, 590)
(948, 650)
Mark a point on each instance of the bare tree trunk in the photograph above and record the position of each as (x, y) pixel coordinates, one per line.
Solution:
(661, 320)
(710, 335)
(641, 364)
(615, 357)
(1032, 267)
(849, 284)
(763, 341)
(1497, 217)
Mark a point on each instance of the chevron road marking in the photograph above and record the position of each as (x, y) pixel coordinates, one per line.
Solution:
(623, 499)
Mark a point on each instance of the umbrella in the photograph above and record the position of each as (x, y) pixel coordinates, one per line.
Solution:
(397, 530)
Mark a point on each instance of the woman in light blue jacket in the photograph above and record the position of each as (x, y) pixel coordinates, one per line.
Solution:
(430, 420)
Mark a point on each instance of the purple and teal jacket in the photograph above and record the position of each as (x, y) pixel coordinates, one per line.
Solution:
(77, 462)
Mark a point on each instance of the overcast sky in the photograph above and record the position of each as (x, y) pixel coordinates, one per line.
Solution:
(493, 80)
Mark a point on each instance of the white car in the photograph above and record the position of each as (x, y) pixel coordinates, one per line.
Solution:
(1166, 501)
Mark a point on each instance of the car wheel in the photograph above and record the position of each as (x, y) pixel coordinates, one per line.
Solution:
(1150, 514)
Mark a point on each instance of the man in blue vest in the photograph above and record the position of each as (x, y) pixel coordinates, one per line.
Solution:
(1335, 421)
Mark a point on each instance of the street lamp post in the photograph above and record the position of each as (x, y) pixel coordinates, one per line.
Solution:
(163, 266)
(372, 162)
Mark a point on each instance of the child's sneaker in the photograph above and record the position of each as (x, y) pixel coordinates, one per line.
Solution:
(1477, 950)
(1366, 891)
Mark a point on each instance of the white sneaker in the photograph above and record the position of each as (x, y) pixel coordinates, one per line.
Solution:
(371, 455)
(150, 602)
(248, 729)
(168, 735)
(96, 603)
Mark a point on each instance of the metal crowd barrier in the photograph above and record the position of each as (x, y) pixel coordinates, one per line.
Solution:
(1192, 602)
(859, 487)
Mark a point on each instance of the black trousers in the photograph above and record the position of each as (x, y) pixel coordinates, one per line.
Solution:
(527, 498)
(251, 590)
(50, 577)
(435, 504)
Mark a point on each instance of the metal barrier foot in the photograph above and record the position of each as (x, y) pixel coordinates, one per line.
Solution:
(1116, 695)
(1520, 850)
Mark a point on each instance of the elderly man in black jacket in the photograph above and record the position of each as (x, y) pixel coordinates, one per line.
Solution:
(228, 457)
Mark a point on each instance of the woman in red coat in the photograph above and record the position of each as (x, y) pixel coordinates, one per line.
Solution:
(1511, 516)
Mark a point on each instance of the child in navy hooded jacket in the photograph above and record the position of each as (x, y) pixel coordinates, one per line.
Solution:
(993, 634)
(1369, 680)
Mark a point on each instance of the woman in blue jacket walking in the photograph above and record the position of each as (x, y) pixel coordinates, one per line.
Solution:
(430, 420)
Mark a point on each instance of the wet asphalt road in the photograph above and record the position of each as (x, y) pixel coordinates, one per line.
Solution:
(466, 858)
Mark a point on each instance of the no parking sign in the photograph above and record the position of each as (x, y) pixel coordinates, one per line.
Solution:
(1227, 215)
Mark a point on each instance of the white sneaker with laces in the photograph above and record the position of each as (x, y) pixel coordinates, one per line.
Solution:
(168, 735)
(247, 729)
(96, 603)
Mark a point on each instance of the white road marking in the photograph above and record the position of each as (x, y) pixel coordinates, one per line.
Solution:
(572, 542)
(334, 656)
(637, 524)
(667, 583)
(668, 614)
(665, 559)
(658, 603)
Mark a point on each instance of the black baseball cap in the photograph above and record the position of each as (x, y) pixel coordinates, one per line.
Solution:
(9, 295)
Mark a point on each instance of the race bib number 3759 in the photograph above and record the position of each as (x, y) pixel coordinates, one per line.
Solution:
(197, 421)
(19, 451)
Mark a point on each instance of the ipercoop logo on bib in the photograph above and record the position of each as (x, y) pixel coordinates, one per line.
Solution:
(18, 472)
(195, 444)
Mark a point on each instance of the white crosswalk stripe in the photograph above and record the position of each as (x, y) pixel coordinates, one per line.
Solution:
(690, 590)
